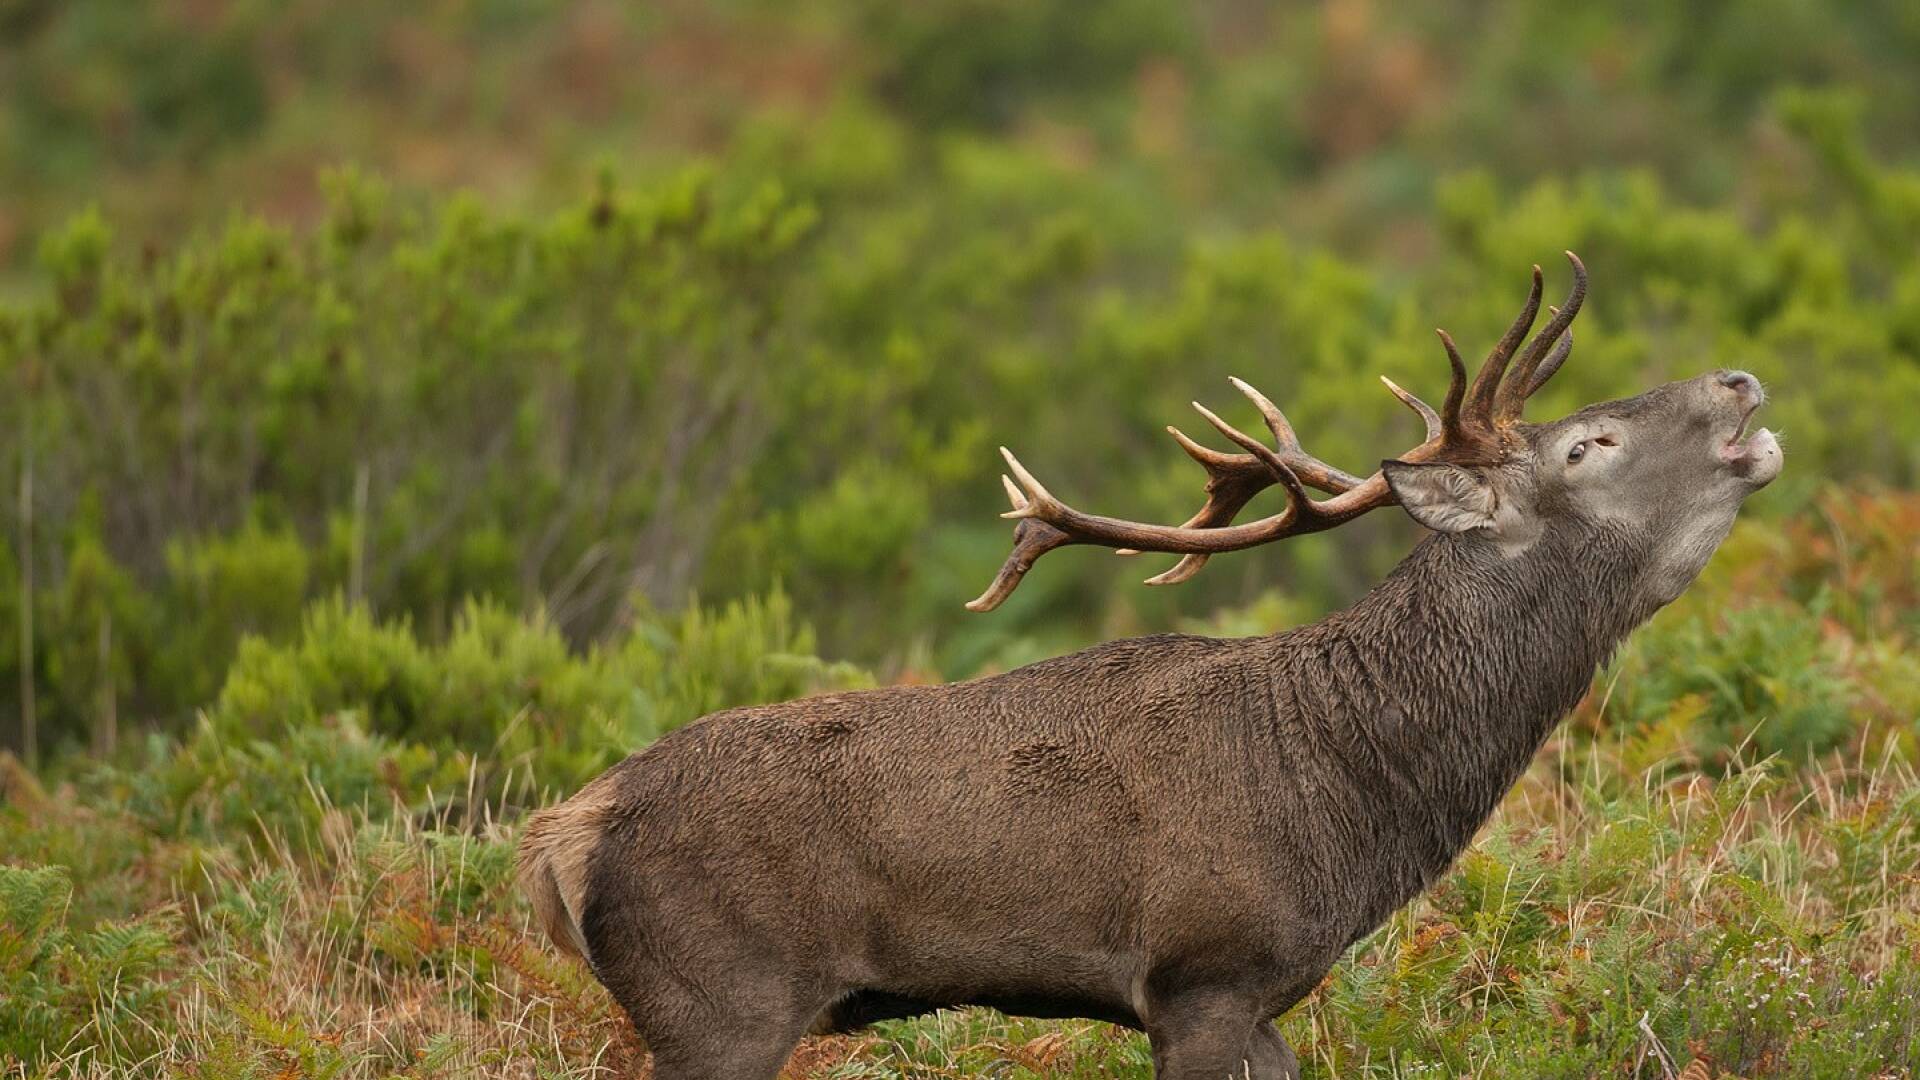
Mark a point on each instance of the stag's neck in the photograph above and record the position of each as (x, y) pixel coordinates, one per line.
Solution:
(1444, 681)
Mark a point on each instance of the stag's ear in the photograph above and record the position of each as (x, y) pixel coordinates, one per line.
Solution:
(1445, 498)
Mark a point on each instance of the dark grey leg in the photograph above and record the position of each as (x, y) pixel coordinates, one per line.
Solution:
(1204, 1037)
(1272, 1058)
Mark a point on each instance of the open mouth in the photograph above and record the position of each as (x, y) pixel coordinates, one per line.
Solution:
(1739, 429)
(1755, 457)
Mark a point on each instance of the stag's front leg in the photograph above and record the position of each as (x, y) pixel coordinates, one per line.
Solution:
(1206, 1036)
(1270, 1056)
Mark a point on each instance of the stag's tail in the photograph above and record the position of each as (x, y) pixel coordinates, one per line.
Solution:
(554, 853)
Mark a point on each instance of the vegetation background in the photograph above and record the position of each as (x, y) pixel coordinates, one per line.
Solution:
(408, 410)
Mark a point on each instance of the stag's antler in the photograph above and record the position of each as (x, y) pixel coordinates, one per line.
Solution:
(1467, 429)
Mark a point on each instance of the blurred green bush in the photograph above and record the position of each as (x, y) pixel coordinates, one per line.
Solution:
(1332, 117)
(790, 367)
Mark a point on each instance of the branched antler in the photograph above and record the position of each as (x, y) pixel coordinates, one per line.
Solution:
(1467, 429)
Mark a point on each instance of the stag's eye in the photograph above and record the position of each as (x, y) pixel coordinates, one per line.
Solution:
(1576, 452)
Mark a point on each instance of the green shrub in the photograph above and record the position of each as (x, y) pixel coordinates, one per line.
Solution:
(1797, 640)
(1755, 682)
(1560, 942)
(510, 691)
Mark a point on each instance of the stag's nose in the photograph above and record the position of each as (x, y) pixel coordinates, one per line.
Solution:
(1740, 383)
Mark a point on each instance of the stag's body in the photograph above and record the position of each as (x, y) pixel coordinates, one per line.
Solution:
(1175, 833)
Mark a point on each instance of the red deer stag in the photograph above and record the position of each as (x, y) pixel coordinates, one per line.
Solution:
(1173, 833)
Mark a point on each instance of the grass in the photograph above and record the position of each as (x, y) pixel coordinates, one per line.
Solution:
(1764, 924)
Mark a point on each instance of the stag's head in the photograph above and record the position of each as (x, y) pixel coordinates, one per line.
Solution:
(1659, 475)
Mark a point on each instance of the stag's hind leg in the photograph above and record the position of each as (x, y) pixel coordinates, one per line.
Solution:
(724, 1036)
(714, 993)
(725, 1011)
(744, 1051)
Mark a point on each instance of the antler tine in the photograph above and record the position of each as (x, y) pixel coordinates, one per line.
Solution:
(1014, 495)
(1435, 427)
(1031, 539)
(1514, 391)
(1551, 364)
(1276, 420)
(1511, 401)
(1234, 479)
(1245, 441)
(1456, 390)
(1479, 409)
(1311, 470)
(1179, 572)
(1282, 475)
(1232, 482)
(1037, 499)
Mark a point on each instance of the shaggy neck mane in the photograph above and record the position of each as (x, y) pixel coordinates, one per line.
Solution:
(1425, 701)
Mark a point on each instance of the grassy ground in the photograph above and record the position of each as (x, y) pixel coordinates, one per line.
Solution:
(1764, 924)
